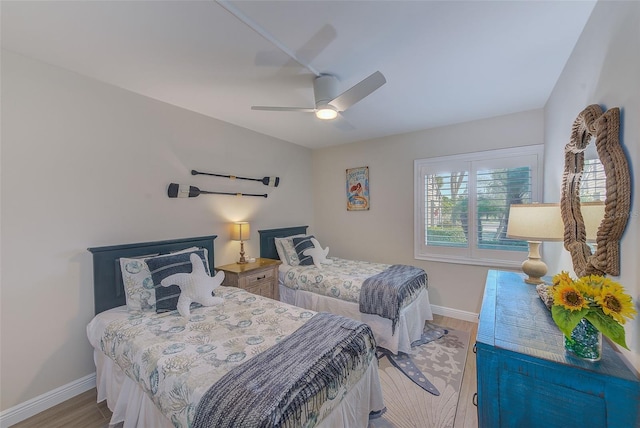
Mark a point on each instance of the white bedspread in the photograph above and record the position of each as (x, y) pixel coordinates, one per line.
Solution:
(135, 409)
(336, 287)
(342, 279)
(158, 378)
(409, 328)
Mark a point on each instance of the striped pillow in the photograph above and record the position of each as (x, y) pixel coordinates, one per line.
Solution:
(301, 244)
(138, 285)
(164, 266)
(286, 252)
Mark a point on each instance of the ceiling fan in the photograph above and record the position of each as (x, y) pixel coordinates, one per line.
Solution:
(327, 101)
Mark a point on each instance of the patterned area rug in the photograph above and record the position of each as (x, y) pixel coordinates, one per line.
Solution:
(442, 362)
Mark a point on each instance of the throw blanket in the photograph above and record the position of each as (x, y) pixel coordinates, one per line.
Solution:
(273, 389)
(386, 293)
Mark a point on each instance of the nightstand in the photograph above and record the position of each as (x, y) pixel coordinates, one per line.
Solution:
(259, 277)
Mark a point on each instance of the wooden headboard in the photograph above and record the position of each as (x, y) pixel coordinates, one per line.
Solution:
(107, 277)
(268, 245)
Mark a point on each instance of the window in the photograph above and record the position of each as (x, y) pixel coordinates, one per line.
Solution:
(593, 184)
(462, 205)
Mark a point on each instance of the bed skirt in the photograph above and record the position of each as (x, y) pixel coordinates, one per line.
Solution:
(409, 328)
(132, 406)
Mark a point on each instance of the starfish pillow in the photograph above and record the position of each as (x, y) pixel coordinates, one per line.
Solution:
(196, 286)
(318, 255)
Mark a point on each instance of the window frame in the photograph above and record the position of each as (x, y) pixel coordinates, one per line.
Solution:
(471, 254)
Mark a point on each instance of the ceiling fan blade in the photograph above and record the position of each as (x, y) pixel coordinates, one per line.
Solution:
(343, 124)
(358, 91)
(268, 108)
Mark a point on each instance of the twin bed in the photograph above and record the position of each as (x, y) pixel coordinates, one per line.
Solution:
(335, 287)
(307, 360)
(250, 361)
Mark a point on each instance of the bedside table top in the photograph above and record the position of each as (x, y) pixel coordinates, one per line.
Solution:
(247, 267)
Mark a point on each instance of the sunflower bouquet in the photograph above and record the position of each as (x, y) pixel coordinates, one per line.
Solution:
(597, 299)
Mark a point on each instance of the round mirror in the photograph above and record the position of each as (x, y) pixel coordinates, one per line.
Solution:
(604, 128)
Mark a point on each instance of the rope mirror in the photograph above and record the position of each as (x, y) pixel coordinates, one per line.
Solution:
(590, 124)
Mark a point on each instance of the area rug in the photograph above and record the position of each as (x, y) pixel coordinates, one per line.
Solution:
(442, 362)
(405, 364)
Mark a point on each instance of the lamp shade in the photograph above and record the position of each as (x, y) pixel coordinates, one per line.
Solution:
(535, 222)
(240, 231)
(592, 214)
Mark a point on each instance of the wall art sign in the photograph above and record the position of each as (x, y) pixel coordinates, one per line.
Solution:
(358, 189)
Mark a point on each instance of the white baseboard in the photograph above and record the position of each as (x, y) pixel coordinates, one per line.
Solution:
(455, 313)
(45, 401)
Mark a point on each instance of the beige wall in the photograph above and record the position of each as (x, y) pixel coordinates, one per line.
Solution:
(604, 69)
(385, 232)
(86, 164)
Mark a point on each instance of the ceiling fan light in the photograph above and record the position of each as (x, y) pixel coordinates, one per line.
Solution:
(326, 113)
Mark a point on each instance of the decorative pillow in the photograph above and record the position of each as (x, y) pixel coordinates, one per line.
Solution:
(138, 284)
(281, 253)
(167, 265)
(286, 252)
(317, 253)
(300, 245)
(195, 287)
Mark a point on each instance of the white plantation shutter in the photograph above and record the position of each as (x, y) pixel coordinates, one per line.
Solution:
(462, 204)
(593, 185)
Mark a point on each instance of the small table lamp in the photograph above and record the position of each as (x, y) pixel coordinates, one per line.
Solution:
(241, 232)
(535, 223)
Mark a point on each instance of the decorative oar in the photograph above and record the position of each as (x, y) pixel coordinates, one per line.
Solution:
(267, 181)
(185, 191)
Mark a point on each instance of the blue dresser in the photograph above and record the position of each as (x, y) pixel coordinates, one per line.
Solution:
(525, 378)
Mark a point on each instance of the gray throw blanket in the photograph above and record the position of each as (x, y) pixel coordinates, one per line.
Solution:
(283, 385)
(386, 293)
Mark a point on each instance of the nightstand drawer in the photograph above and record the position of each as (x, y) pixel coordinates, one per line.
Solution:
(265, 275)
(262, 288)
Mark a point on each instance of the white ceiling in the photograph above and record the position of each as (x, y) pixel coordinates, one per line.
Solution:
(445, 61)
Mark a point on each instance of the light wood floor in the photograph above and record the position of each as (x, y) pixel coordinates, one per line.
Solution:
(83, 412)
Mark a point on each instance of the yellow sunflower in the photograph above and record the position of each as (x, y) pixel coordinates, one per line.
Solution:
(615, 302)
(562, 278)
(591, 285)
(568, 296)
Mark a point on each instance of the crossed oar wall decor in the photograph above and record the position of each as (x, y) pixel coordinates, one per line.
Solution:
(185, 191)
(176, 190)
(267, 181)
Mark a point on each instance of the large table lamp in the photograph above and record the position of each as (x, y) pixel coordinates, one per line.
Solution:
(592, 214)
(241, 232)
(535, 223)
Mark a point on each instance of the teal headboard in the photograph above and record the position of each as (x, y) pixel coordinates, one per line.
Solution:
(107, 278)
(268, 245)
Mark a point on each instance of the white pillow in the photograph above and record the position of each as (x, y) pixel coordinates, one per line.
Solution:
(286, 251)
(139, 291)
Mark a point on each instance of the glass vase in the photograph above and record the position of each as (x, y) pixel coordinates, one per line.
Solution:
(585, 342)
